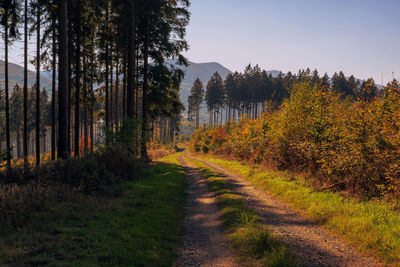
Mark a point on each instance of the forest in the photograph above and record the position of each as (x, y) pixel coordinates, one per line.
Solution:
(102, 164)
(105, 60)
(338, 129)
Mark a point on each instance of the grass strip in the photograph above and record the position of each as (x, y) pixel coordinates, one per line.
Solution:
(138, 226)
(373, 226)
(251, 239)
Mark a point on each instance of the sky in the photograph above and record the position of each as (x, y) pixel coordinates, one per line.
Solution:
(359, 37)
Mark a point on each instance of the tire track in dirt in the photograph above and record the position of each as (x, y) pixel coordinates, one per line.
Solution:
(310, 242)
(204, 242)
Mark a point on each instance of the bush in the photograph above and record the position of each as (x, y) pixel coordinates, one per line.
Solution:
(25, 189)
(354, 144)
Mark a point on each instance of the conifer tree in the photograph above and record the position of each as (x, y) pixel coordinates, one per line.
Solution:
(195, 100)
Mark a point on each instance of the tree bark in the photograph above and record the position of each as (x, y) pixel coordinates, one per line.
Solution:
(53, 97)
(18, 143)
(8, 142)
(130, 105)
(145, 83)
(116, 92)
(107, 73)
(63, 151)
(38, 85)
(25, 134)
(85, 113)
(70, 52)
(77, 76)
(112, 123)
(197, 118)
(124, 88)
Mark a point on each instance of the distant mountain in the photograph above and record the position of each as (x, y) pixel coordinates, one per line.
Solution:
(16, 76)
(203, 71)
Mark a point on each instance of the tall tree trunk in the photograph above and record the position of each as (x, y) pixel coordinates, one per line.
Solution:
(91, 103)
(197, 118)
(63, 151)
(116, 92)
(130, 105)
(112, 122)
(145, 82)
(107, 72)
(25, 134)
(53, 96)
(70, 53)
(124, 87)
(18, 142)
(8, 141)
(77, 76)
(85, 112)
(38, 85)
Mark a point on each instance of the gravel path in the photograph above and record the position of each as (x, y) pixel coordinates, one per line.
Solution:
(310, 242)
(204, 242)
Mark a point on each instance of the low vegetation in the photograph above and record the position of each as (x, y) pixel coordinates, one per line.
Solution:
(347, 144)
(135, 223)
(250, 238)
(373, 226)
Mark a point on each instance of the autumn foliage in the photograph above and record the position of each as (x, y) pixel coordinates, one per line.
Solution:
(352, 144)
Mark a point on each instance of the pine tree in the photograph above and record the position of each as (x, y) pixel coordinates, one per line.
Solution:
(195, 100)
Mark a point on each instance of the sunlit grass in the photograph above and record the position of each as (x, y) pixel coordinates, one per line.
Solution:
(249, 237)
(372, 226)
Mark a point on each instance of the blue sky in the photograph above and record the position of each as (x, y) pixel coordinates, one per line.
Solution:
(359, 37)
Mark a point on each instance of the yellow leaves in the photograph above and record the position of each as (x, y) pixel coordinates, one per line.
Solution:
(317, 130)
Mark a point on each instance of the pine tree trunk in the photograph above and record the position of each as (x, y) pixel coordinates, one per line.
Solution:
(124, 88)
(25, 134)
(91, 130)
(197, 118)
(112, 122)
(38, 86)
(53, 97)
(70, 54)
(8, 142)
(107, 74)
(63, 151)
(77, 76)
(18, 143)
(143, 150)
(85, 113)
(116, 92)
(130, 105)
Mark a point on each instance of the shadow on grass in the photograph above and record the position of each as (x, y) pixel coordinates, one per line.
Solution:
(139, 226)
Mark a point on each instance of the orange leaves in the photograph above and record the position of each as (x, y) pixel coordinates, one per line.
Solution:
(315, 129)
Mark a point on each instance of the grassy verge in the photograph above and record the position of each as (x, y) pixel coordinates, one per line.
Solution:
(372, 226)
(137, 226)
(249, 237)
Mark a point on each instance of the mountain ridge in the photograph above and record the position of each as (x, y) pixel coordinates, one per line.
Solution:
(16, 76)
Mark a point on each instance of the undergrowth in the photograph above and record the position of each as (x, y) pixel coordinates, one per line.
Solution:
(137, 224)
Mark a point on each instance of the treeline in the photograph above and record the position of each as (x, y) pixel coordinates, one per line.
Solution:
(347, 143)
(255, 91)
(107, 60)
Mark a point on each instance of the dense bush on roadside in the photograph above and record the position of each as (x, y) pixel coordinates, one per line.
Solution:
(24, 189)
(352, 144)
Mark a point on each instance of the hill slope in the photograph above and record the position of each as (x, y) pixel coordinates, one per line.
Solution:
(16, 76)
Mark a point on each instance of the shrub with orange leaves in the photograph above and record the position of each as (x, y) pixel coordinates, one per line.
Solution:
(352, 143)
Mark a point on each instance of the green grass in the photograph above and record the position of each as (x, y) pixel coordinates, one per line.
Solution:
(251, 239)
(373, 226)
(138, 226)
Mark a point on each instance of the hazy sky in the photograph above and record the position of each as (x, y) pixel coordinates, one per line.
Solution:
(359, 37)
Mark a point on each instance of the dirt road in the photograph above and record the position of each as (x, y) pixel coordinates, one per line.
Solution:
(204, 241)
(310, 242)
